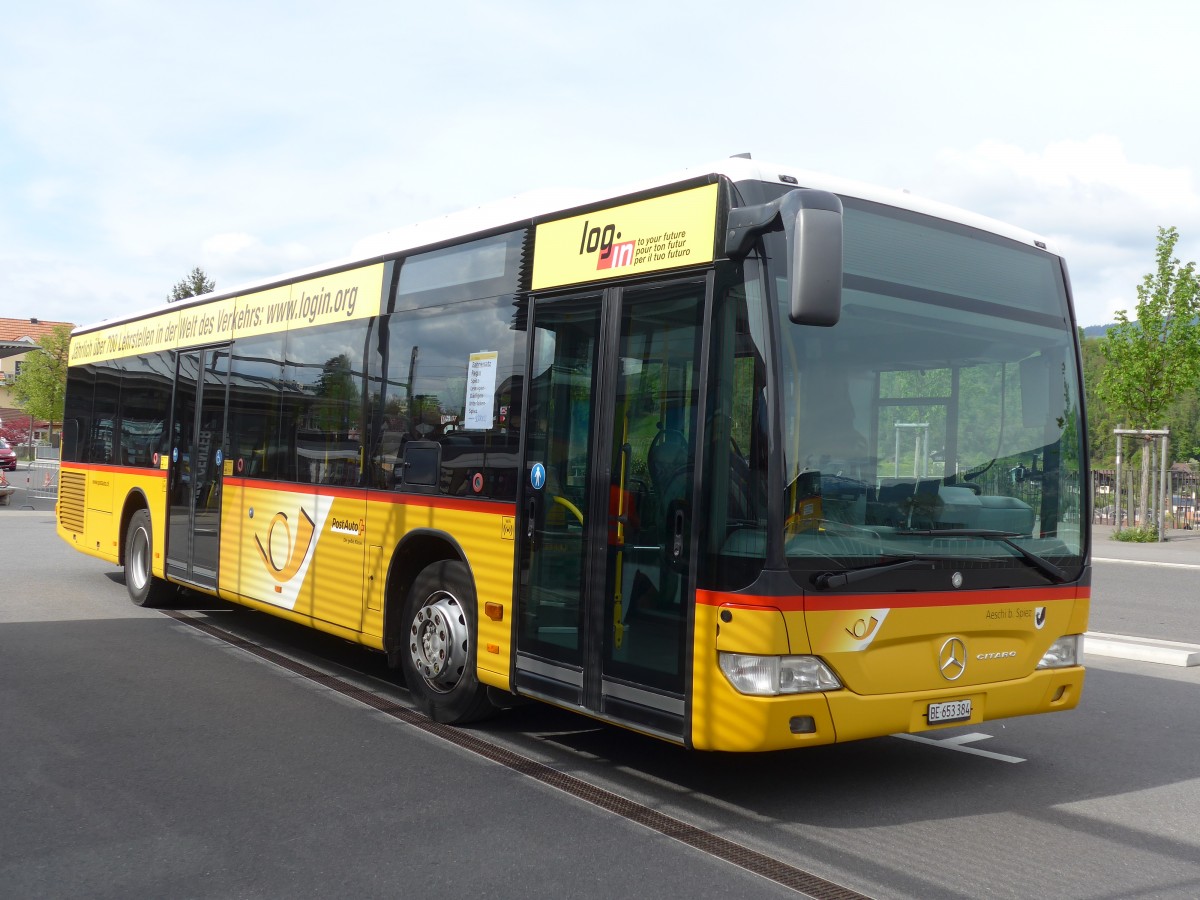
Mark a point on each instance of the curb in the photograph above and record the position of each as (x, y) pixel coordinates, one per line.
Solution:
(1171, 653)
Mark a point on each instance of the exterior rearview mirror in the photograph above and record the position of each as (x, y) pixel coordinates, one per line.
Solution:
(812, 223)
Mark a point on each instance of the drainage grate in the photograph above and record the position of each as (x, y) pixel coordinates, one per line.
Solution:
(751, 860)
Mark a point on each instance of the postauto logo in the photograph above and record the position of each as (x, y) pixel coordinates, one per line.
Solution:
(292, 549)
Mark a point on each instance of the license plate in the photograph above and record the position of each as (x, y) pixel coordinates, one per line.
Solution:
(950, 711)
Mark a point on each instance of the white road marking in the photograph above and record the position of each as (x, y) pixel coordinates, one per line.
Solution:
(958, 742)
(1145, 562)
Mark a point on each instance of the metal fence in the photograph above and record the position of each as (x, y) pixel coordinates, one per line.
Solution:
(1026, 485)
(37, 480)
(1178, 501)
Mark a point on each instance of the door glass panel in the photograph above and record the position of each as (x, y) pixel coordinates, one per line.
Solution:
(560, 416)
(736, 443)
(197, 454)
(610, 468)
(650, 494)
(182, 474)
(209, 457)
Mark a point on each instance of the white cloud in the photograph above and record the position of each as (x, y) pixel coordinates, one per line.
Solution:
(241, 257)
(1088, 185)
(136, 140)
(1101, 208)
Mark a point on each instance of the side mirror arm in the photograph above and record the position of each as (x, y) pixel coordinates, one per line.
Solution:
(812, 221)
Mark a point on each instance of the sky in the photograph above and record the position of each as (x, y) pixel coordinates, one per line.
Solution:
(141, 139)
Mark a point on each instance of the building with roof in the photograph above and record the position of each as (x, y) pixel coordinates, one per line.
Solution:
(18, 337)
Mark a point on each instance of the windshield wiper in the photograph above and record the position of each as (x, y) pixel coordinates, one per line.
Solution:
(827, 580)
(1047, 568)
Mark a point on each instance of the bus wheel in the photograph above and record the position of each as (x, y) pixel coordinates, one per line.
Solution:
(438, 658)
(144, 589)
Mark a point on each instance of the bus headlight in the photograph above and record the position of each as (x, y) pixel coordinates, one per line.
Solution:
(769, 676)
(1063, 652)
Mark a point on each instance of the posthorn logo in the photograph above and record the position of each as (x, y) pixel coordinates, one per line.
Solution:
(283, 553)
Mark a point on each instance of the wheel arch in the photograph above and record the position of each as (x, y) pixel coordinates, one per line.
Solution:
(416, 550)
(136, 499)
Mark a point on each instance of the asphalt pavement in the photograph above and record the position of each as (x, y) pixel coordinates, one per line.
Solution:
(145, 758)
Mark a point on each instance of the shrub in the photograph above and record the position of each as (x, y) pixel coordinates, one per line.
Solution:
(1143, 534)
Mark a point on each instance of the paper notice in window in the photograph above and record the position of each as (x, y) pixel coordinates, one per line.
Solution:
(481, 389)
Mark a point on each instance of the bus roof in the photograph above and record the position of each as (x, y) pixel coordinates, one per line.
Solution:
(743, 169)
(521, 209)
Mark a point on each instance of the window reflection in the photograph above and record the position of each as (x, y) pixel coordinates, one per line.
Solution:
(420, 395)
(321, 403)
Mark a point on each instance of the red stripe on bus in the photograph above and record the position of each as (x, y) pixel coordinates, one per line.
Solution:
(490, 507)
(105, 467)
(915, 600)
(289, 487)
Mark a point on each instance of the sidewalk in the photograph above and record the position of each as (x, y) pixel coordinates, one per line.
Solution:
(1179, 547)
(1144, 598)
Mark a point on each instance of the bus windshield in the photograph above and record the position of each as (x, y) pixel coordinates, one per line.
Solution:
(940, 418)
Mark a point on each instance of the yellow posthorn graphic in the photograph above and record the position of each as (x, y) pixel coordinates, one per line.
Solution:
(296, 551)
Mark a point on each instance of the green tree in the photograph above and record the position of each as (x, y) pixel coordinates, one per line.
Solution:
(42, 383)
(1101, 446)
(336, 395)
(194, 285)
(1154, 358)
(1184, 422)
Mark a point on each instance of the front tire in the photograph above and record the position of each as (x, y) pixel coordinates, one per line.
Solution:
(144, 589)
(439, 644)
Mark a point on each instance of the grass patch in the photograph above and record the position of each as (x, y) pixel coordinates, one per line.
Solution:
(1143, 534)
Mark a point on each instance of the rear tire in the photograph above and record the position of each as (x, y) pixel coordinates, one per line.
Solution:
(439, 639)
(144, 588)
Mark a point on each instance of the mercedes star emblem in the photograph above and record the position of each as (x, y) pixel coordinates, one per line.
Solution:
(952, 659)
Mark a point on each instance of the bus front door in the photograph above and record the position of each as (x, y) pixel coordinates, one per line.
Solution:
(607, 502)
(197, 459)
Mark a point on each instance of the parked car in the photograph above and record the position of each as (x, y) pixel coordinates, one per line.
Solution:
(8, 457)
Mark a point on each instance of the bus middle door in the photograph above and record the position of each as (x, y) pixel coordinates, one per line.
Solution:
(196, 467)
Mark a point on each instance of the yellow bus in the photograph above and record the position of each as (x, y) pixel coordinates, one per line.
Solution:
(747, 458)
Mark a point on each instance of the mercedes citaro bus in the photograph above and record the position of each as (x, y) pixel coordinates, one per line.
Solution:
(748, 458)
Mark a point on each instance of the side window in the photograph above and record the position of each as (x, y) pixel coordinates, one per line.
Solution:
(145, 407)
(102, 439)
(321, 419)
(255, 389)
(452, 379)
(734, 535)
(77, 415)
